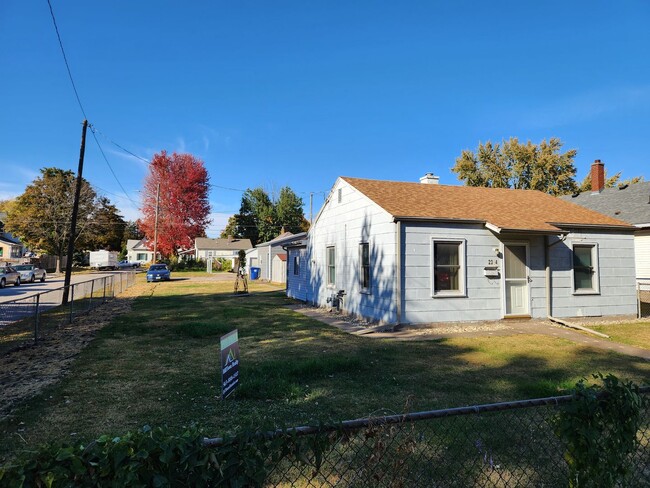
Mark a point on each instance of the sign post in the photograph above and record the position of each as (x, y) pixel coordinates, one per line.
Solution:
(229, 363)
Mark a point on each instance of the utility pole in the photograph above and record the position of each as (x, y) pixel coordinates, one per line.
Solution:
(311, 208)
(75, 211)
(155, 226)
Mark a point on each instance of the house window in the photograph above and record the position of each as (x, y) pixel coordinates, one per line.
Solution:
(448, 268)
(16, 252)
(364, 266)
(585, 268)
(331, 266)
(340, 195)
(296, 265)
(2, 250)
(141, 256)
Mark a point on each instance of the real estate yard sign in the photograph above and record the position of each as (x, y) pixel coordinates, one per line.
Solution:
(229, 363)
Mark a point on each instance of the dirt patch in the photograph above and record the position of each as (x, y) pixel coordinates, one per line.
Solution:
(26, 371)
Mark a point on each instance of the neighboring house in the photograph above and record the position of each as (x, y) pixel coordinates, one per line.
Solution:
(266, 251)
(421, 253)
(11, 249)
(252, 259)
(630, 203)
(228, 248)
(138, 251)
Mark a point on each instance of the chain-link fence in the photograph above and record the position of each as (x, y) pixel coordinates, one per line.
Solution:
(498, 445)
(27, 320)
(643, 297)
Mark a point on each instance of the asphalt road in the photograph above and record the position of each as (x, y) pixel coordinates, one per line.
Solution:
(52, 282)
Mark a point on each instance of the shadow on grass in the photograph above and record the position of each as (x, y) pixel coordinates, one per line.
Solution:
(159, 364)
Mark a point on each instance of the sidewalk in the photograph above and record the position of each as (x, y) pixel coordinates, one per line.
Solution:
(479, 329)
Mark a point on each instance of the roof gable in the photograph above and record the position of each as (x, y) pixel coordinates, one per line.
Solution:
(501, 208)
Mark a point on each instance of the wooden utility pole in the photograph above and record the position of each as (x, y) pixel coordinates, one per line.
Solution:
(155, 226)
(75, 211)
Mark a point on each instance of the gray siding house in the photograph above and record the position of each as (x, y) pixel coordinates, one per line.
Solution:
(423, 252)
(266, 251)
(630, 203)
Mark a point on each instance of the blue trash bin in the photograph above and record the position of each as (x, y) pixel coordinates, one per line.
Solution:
(255, 273)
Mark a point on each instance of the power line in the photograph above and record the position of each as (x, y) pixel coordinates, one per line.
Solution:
(65, 58)
(95, 129)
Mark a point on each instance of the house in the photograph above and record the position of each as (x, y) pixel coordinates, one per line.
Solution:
(228, 248)
(11, 249)
(630, 203)
(138, 251)
(266, 251)
(400, 252)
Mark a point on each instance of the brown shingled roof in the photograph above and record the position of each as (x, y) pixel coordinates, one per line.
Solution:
(507, 209)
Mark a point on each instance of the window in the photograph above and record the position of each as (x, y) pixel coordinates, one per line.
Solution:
(2, 250)
(331, 266)
(296, 265)
(448, 268)
(340, 195)
(141, 256)
(364, 266)
(585, 268)
(16, 252)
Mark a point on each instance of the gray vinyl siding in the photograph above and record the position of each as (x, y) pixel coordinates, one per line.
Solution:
(616, 274)
(345, 225)
(298, 285)
(483, 295)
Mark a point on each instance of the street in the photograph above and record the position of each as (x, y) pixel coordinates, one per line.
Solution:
(52, 282)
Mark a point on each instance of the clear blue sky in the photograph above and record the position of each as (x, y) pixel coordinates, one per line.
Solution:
(274, 93)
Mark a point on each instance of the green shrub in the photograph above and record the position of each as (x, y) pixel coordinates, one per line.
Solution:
(600, 431)
(155, 457)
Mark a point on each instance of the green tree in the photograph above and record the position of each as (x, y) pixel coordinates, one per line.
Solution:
(261, 219)
(526, 166)
(610, 182)
(40, 217)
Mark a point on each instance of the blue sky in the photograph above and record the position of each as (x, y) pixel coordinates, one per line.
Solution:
(299, 92)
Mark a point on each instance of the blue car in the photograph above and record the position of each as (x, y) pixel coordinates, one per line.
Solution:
(158, 272)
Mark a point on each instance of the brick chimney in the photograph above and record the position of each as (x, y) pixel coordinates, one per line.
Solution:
(597, 176)
(430, 179)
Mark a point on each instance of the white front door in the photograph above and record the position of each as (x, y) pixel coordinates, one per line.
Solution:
(516, 279)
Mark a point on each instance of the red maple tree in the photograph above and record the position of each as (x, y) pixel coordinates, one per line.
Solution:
(183, 206)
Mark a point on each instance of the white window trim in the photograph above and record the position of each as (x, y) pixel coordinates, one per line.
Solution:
(462, 275)
(596, 265)
(327, 268)
(366, 290)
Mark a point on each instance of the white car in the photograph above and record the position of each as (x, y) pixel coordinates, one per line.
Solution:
(9, 275)
(30, 273)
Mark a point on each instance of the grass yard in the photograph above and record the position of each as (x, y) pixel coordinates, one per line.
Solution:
(159, 364)
(635, 333)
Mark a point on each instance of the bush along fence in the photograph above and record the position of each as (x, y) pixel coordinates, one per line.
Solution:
(27, 320)
(597, 437)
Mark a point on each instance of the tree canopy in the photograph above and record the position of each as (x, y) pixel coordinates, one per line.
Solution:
(183, 206)
(40, 217)
(261, 218)
(512, 164)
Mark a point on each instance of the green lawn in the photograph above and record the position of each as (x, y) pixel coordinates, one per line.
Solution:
(159, 364)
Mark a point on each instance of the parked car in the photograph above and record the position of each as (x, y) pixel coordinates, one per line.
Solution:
(158, 272)
(9, 275)
(30, 272)
(127, 264)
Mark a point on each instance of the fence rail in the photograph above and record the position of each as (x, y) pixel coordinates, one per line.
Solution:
(496, 445)
(28, 320)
